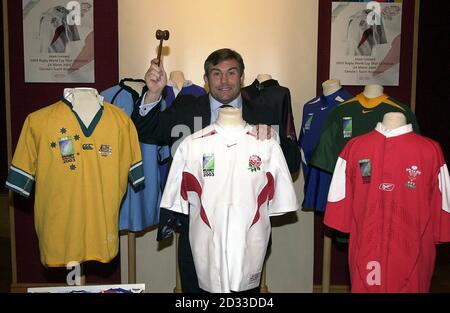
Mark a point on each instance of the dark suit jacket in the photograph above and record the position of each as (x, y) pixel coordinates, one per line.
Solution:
(156, 127)
(191, 114)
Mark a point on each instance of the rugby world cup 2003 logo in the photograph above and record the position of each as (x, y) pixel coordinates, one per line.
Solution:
(208, 164)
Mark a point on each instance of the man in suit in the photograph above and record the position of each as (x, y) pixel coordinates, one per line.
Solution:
(224, 75)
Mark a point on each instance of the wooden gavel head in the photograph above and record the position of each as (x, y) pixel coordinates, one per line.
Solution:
(162, 34)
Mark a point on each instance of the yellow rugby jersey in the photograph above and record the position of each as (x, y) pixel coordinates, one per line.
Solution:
(81, 175)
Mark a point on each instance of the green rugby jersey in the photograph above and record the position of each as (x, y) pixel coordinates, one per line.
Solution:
(352, 118)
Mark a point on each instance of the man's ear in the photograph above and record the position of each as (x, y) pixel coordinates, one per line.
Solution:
(205, 78)
(242, 79)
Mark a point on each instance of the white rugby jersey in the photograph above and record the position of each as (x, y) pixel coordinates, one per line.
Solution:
(229, 183)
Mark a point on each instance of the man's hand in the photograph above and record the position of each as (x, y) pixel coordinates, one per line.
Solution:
(156, 80)
(262, 131)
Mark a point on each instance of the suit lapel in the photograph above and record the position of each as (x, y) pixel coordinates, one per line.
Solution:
(205, 109)
(245, 108)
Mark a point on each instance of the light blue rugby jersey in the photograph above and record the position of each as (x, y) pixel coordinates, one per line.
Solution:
(140, 209)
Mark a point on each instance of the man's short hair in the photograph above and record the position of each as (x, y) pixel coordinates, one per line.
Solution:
(221, 55)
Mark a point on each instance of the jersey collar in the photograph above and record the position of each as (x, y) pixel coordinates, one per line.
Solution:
(186, 83)
(232, 132)
(87, 131)
(370, 103)
(215, 104)
(388, 133)
(69, 94)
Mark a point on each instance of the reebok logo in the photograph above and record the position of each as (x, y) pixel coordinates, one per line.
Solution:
(387, 186)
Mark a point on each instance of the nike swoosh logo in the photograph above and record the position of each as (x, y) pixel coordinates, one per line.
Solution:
(229, 146)
(366, 111)
(323, 108)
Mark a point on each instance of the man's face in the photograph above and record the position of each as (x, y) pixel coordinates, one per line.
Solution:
(224, 81)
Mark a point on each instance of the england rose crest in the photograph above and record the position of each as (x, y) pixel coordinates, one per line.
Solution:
(254, 163)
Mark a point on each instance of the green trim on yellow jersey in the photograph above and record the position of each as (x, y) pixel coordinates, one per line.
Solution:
(87, 131)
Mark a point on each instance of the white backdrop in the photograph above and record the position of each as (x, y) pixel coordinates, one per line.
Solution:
(277, 38)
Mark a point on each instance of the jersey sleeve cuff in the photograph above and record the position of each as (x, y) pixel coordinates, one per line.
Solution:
(282, 211)
(136, 174)
(19, 181)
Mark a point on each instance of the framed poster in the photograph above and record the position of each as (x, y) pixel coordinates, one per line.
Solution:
(58, 41)
(126, 288)
(365, 42)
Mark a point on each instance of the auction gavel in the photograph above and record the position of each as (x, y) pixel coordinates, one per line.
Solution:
(161, 35)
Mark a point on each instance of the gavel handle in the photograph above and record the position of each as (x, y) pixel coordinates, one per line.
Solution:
(159, 50)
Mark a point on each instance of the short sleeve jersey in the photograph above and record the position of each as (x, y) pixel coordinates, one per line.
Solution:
(391, 191)
(229, 183)
(81, 175)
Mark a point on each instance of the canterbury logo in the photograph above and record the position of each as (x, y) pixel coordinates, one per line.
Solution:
(366, 111)
(88, 146)
(387, 186)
